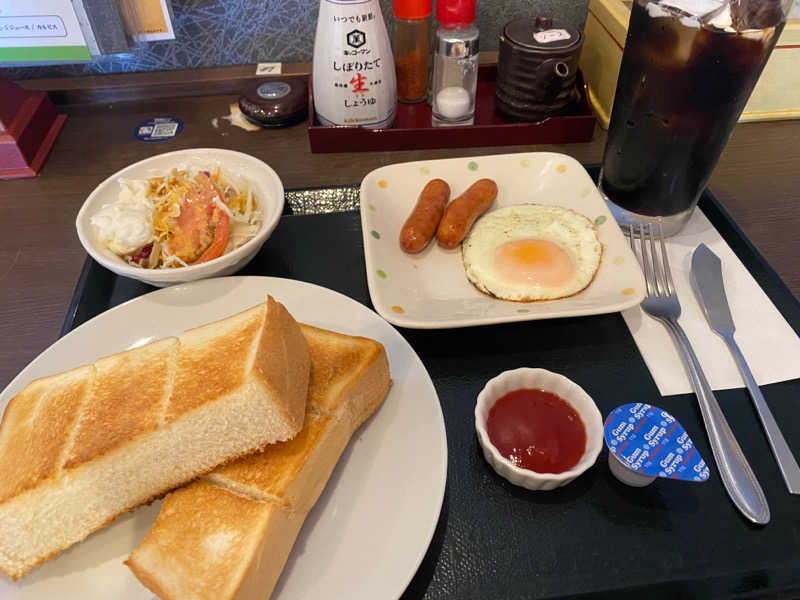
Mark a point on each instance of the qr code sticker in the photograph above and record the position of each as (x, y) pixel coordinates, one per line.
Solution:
(162, 130)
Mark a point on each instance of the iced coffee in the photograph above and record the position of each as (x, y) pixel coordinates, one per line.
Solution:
(687, 71)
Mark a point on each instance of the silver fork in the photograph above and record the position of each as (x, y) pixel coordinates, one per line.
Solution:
(662, 303)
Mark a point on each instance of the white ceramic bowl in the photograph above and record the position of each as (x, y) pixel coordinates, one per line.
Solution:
(540, 379)
(267, 190)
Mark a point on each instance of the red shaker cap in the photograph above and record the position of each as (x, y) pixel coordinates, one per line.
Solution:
(450, 12)
(412, 9)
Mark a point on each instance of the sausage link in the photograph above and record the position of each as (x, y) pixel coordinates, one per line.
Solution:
(464, 210)
(421, 224)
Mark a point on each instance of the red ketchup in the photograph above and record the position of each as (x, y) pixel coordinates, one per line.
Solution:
(537, 430)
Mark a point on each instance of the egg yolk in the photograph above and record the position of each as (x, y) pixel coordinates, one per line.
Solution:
(534, 261)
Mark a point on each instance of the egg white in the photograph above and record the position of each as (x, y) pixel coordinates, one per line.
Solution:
(571, 231)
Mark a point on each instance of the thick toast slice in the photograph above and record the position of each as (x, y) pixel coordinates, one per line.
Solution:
(228, 535)
(80, 448)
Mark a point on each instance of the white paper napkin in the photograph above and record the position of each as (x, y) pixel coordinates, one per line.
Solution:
(769, 344)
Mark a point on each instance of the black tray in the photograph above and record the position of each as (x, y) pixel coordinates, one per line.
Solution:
(594, 537)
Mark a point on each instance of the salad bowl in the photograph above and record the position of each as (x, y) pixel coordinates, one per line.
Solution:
(267, 191)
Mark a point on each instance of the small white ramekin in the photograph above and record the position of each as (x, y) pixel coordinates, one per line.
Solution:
(554, 383)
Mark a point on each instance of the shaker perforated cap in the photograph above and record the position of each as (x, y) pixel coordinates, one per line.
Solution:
(412, 9)
(450, 12)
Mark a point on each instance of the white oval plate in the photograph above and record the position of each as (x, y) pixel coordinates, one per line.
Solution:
(370, 529)
(430, 289)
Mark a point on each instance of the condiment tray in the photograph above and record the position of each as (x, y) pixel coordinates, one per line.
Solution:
(412, 129)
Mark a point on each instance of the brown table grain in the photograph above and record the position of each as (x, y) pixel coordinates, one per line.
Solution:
(757, 180)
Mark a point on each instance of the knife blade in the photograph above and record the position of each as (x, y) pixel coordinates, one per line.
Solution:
(710, 290)
(709, 287)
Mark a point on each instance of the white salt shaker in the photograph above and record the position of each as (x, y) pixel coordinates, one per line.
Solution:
(455, 64)
(353, 72)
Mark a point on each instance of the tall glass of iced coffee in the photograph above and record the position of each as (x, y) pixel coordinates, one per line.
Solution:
(687, 71)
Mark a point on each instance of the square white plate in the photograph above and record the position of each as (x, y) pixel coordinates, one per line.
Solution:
(430, 290)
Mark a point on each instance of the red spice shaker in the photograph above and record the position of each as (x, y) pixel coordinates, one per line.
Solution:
(412, 33)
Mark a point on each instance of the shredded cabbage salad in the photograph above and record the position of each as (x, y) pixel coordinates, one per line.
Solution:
(185, 217)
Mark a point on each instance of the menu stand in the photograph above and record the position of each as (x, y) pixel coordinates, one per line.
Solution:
(29, 126)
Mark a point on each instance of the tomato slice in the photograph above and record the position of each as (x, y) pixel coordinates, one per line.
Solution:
(201, 229)
(216, 217)
(192, 232)
(221, 234)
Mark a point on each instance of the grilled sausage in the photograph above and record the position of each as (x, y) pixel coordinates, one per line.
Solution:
(464, 210)
(421, 224)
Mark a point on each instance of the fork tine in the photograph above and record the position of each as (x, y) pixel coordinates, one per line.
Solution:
(631, 240)
(660, 281)
(646, 264)
(636, 235)
(668, 274)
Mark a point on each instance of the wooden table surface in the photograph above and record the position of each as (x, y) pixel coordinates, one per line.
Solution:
(757, 180)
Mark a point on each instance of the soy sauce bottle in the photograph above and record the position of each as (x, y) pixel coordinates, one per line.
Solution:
(353, 73)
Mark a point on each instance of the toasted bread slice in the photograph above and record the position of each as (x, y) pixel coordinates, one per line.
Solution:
(228, 535)
(37, 430)
(128, 399)
(107, 437)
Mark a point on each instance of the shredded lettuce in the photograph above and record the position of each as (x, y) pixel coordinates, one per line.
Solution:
(167, 194)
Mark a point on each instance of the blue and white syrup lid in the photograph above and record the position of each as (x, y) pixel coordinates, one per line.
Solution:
(645, 442)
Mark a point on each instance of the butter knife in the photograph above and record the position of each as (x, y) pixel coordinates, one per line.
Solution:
(710, 291)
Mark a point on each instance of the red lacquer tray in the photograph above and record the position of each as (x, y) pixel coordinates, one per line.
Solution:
(412, 128)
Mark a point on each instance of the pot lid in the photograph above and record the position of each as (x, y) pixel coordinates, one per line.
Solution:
(542, 34)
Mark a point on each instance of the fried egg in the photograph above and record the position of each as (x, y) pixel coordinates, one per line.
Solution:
(532, 252)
